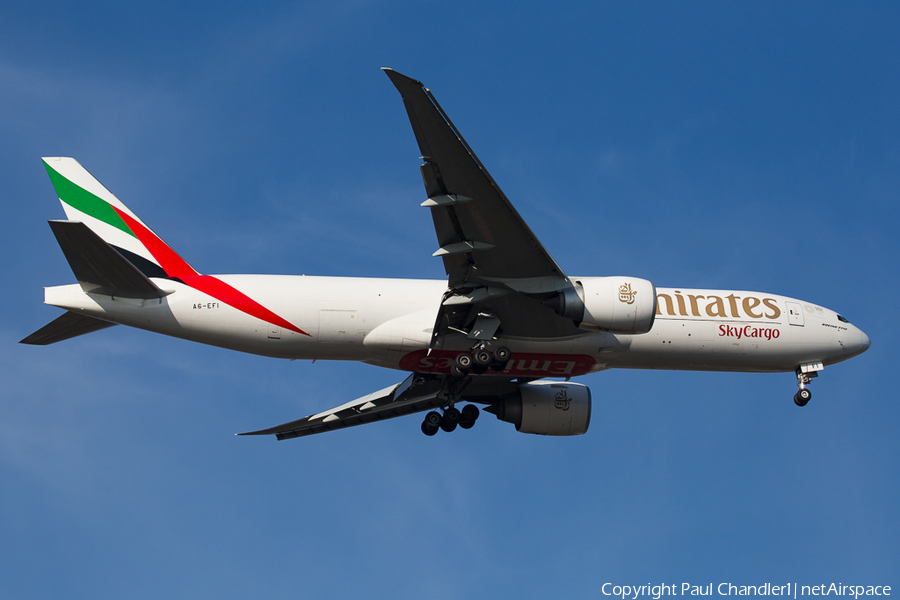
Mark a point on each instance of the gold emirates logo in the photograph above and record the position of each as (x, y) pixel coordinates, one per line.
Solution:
(715, 306)
(626, 294)
(562, 400)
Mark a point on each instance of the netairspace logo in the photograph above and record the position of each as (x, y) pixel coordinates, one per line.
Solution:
(789, 590)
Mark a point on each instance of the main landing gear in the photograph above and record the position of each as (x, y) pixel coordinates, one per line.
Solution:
(479, 360)
(805, 373)
(452, 417)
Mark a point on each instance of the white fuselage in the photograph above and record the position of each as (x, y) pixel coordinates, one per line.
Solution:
(388, 322)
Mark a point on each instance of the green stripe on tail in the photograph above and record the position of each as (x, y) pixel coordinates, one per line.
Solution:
(81, 199)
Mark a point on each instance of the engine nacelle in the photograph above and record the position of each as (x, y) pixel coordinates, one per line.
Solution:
(611, 304)
(618, 304)
(547, 408)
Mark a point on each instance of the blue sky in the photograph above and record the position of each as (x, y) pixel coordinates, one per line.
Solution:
(703, 144)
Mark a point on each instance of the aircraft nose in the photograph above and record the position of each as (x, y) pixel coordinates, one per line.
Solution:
(864, 341)
(859, 341)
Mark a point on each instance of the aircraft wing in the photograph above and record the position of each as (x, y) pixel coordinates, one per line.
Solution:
(417, 393)
(394, 401)
(499, 275)
(495, 264)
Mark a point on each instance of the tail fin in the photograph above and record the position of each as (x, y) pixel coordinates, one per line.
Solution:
(91, 207)
(85, 199)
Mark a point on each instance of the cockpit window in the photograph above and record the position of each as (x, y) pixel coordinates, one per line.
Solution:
(842, 319)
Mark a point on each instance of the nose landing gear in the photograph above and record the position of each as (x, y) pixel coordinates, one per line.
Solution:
(805, 373)
(802, 397)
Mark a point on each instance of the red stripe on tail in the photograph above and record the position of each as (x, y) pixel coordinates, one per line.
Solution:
(175, 266)
(220, 290)
(168, 259)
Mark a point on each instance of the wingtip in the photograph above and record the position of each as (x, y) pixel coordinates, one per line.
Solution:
(399, 78)
(269, 431)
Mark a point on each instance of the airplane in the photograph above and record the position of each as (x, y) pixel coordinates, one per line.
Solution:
(506, 330)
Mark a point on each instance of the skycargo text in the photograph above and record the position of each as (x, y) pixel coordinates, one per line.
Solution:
(789, 590)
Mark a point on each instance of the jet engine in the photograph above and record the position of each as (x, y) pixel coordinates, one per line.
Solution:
(611, 304)
(547, 408)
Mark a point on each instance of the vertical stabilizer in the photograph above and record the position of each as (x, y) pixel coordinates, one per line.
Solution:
(86, 200)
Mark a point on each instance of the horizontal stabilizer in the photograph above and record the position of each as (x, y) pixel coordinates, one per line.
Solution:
(65, 327)
(99, 268)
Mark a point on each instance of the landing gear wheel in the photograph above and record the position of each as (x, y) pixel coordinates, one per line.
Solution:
(432, 423)
(464, 361)
(469, 415)
(802, 397)
(483, 358)
(805, 373)
(500, 358)
(501, 355)
(457, 372)
(450, 419)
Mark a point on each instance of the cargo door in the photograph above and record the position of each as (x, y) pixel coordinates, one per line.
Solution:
(337, 326)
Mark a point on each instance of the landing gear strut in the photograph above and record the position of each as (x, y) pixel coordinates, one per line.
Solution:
(477, 360)
(805, 373)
